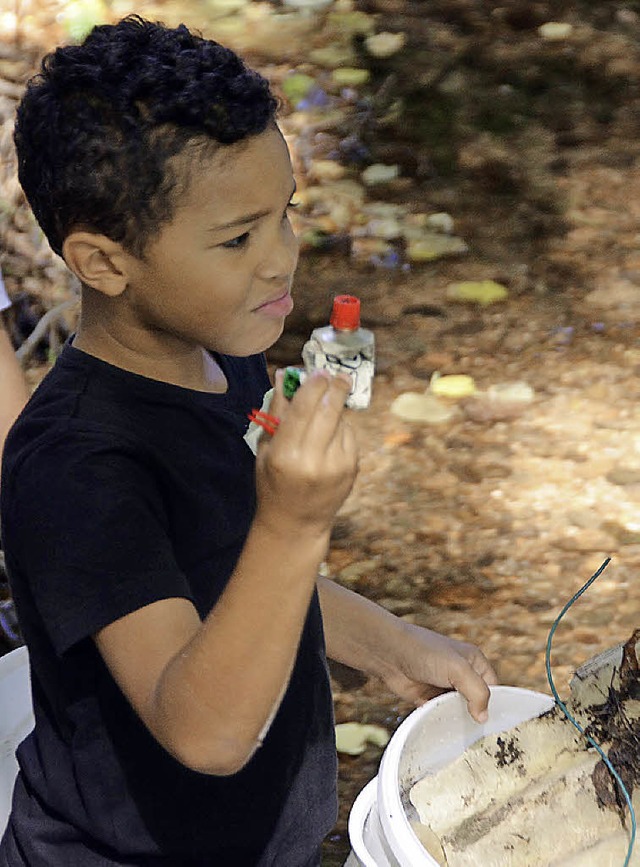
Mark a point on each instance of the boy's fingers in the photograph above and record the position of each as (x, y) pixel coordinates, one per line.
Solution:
(486, 671)
(475, 690)
(317, 407)
(278, 401)
(478, 704)
(348, 437)
(324, 425)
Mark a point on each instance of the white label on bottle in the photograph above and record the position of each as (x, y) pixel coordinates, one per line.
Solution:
(359, 368)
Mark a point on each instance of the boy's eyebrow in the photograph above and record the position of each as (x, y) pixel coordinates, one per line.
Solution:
(248, 218)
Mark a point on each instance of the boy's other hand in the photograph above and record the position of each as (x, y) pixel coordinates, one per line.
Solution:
(428, 664)
(305, 471)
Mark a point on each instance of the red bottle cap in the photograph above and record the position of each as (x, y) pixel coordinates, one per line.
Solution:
(345, 315)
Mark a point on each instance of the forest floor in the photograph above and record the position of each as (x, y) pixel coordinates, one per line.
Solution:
(484, 525)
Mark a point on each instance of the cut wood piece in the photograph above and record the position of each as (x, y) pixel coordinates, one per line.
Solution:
(554, 818)
(608, 852)
(495, 769)
(430, 841)
(529, 797)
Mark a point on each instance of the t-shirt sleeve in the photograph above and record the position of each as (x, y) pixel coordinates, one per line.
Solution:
(86, 536)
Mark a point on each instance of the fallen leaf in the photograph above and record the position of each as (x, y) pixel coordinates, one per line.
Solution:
(352, 737)
(427, 408)
(482, 292)
(399, 438)
(454, 385)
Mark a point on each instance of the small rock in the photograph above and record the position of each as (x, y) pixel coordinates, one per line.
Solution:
(624, 476)
(383, 228)
(426, 365)
(440, 222)
(619, 298)
(555, 31)
(426, 408)
(332, 56)
(355, 571)
(306, 5)
(585, 540)
(623, 534)
(399, 607)
(326, 170)
(585, 636)
(349, 22)
(379, 173)
(500, 401)
(363, 249)
(587, 519)
(385, 44)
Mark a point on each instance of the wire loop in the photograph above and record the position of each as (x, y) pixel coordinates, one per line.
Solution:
(574, 722)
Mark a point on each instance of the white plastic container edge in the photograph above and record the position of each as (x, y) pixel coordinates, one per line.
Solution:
(431, 737)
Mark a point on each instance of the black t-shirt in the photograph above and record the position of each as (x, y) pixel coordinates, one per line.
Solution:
(118, 491)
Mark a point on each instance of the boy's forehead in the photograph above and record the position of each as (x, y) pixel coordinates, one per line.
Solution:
(232, 174)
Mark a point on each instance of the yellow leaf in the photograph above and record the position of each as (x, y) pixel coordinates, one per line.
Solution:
(352, 737)
(454, 385)
(482, 292)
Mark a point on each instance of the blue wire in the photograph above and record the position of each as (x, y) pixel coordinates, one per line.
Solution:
(573, 721)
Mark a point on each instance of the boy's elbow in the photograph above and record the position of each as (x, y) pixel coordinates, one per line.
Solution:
(222, 759)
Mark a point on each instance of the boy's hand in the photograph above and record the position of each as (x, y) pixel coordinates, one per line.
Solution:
(305, 471)
(429, 664)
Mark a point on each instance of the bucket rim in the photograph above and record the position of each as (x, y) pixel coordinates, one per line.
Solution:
(360, 812)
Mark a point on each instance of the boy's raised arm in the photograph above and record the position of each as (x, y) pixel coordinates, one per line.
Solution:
(208, 690)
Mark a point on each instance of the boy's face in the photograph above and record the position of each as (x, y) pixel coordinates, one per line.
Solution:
(219, 274)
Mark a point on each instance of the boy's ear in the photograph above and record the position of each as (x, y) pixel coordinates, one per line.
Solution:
(97, 261)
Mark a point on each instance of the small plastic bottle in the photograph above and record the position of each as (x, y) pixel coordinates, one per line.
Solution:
(344, 347)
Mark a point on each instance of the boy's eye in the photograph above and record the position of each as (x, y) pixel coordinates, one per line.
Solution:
(234, 243)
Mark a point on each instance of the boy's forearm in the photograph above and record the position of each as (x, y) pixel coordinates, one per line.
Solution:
(239, 662)
(358, 632)
(413, 662)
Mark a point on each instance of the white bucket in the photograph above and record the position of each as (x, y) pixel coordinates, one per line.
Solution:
(16, 721)
(432, 736)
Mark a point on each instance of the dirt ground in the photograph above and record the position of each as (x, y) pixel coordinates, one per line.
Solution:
(483, 526)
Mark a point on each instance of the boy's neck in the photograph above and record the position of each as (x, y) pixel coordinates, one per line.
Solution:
(188, 367)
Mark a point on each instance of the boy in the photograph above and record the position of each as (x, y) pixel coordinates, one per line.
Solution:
(164, 578)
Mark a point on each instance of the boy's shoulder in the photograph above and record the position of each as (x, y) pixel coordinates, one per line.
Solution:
(80, 386)
(86, 411)
(58, 411)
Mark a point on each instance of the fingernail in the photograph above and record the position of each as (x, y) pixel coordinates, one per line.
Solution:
(483, 716)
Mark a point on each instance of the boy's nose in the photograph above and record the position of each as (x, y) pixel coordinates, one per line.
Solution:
(281, 259)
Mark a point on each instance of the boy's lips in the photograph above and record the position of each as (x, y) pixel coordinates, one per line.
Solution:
(277, 307)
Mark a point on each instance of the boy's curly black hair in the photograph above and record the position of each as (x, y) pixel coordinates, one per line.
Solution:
(98, 126)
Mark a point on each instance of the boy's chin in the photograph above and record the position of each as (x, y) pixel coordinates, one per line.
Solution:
(245, 351)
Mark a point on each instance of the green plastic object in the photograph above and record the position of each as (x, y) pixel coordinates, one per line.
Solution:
(293, 377)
